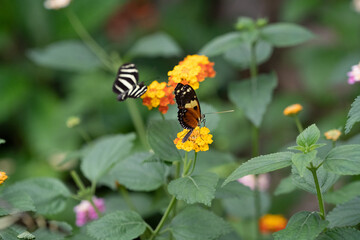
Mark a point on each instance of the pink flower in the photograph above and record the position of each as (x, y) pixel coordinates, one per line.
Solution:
(354, 74)
(85, 211)
(249, 180)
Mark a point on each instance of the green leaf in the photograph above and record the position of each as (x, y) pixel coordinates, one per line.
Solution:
(340, 234)
(344, 160)
(240, 56)
(10, 233)
(285, 34)
(308, 137)
(195, 189)
(12, 202)
(221, 44)
(354, 115)
(326, 179)
(302, 225)
(138, 172)
(196, 223)
(26, 235)
(104, 153)
(232, 190)
(346, 214)
(344, 194)
(71, 55)
(254, 106)
(119, 225)
(216, 162)
(302, 161)
(155, 45)
(261, 164)
(286, 186)
(2, 141)
(161, 135)
(43, 233)
(48, 194)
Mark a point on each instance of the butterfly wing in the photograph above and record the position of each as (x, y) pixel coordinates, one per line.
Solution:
(189, 113)
(126, 83)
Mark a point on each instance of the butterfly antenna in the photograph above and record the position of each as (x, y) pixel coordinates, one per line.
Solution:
(227, 111)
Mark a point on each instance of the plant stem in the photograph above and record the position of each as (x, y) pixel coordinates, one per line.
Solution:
(193, 164)
(177, 174)
(253, 69)
(138, 121)
(318, 191)
(77, 180)
(255, 141)
(95, 207)
(89, 41)
(164, 217)
(125, 194)
(298, 123)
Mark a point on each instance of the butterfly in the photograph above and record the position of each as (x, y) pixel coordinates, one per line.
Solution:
(189, 113)
(126, 83)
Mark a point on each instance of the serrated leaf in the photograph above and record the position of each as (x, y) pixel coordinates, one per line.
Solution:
(138, 172)
(253, 105)
(346, 214)
(195, 189)
(44, 234)
(344, 160)
(302, 160)
(119, 225)
(326, 179)
(302, 225)
(308, 137)
(354, 115)
(161, 135)
(232, 190)
(340, 234)
(261, 164)
(221, 44)
(286, 186)
(196, 223)
(26, 235)
(285, 34)
(48, 194)
(104, 154)
(71, 55)
(155, 45)
(12, 202)
(240, 56)
(344, 194)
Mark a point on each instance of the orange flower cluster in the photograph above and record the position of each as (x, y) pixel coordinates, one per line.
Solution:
(192, 70)
(292, 109)
(199, 140)
(270, 223)
(333, 134)
(3, 177)
(158, 95)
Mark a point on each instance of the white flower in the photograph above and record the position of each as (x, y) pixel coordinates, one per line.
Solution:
(56, 4)
(356, 4)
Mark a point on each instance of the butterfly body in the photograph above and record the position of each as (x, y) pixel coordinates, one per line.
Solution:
(126, 83)
(189, 113)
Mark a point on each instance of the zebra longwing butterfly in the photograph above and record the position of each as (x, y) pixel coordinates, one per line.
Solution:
(126, 83)
(189, 113)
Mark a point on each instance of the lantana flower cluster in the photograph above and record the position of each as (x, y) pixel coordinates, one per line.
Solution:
(3, 177)
(158, 95)
(354, 74)
(192, 70)
(270, 223)
(85, 212)
(199, 140)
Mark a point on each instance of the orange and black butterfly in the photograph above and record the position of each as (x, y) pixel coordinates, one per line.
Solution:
(189, 113)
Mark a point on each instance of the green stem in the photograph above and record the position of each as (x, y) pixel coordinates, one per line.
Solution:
(77, 180)
(125, 194)
(298, 123)
(89, 41)
(138, 121)
(253, 69)
(193, 165)
(164, 217)
(255, 141)
(95, 207)
(84, 135)
(318, 191)
(177, 174)
(333, 144)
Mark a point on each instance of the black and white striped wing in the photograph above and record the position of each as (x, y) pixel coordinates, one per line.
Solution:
(126, 83)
